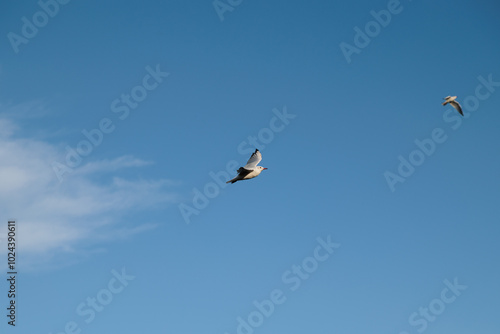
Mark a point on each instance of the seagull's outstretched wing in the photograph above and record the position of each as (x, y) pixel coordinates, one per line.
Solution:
(457, 106)
(243, 172)
(254, 160)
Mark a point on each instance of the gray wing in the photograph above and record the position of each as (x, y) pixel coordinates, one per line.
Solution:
(457, 106)
(254, 160)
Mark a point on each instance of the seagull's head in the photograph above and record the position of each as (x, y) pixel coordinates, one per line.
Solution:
(261, 168)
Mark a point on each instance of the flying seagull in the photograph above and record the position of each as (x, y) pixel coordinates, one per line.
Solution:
(451, 100)
(250, 170)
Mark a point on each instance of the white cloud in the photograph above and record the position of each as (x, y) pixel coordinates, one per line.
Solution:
(7, 128)
(111, 165)
(55, 217)
(29, 109)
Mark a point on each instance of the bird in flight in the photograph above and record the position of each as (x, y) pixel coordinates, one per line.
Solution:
(250, 170)
(451, 100)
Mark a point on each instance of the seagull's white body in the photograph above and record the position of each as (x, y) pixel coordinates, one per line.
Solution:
(455, 104)
(250, 170)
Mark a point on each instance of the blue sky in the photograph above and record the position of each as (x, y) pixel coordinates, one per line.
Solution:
(173, 91)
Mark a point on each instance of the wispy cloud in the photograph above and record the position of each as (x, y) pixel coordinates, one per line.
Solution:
(111, 165)
(25, 110)
(7, 128)
(56, 217)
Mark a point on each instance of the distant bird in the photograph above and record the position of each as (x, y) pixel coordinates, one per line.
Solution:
(250, 170)
(451, 100)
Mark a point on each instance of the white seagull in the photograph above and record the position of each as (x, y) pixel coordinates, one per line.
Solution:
(250, 170)
(451, 100)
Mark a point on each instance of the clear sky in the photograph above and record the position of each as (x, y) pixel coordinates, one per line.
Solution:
(120, 121)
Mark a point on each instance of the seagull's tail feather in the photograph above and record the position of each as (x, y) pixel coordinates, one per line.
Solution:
(233, 180)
